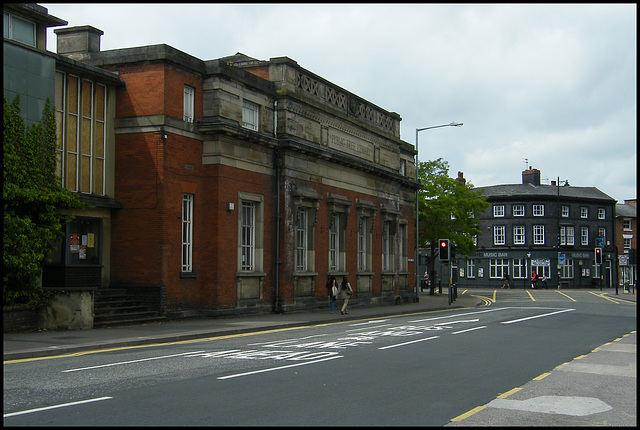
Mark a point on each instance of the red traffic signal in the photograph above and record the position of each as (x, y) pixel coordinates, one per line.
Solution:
(445, 252)
(598, 254)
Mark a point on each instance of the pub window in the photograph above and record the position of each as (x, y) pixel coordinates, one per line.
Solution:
(538, 235)
(601, 213)
(471, 268)
(518, 210)
(498, 235)
(518, 235)
(498, 267)
(584, 235)
(538, 210)
(519, 268)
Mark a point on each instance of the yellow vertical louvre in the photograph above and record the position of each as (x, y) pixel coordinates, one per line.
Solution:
(71, 164)
(59, 113)
(99, 139)
(86, 136)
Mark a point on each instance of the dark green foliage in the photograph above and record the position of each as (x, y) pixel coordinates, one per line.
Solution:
(447, 209)
(32, 199)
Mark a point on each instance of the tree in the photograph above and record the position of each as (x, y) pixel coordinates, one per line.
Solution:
(32, 199)
(447, 208)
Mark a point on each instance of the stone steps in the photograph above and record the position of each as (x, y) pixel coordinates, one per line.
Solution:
(113, 306)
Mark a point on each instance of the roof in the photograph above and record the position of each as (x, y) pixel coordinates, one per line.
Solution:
(626, 211)
(35, 12)
(544, 192)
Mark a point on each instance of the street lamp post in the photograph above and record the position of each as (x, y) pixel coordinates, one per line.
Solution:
(418, 130)
(559, 213)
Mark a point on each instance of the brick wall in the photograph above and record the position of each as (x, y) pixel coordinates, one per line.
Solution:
(154, 89)
(137, 228)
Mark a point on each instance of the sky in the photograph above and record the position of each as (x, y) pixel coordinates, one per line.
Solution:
(547, 86)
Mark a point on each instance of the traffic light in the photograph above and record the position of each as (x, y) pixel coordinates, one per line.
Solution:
(598, 254)
(443, 244)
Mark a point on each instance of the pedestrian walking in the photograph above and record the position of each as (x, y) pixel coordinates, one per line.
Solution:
(506, 281)
(332, 291)
(345, 293)
(534, 279)
(544, 282)
(425, 282)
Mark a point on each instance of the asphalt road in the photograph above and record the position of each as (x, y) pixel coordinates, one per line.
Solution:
(422, 369)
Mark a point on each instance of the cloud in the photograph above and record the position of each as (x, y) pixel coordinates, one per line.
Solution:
(555, 84)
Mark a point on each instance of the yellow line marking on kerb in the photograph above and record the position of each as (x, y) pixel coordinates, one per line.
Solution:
(508, 393)
(468, 414)
(541, 377)
(532, 299)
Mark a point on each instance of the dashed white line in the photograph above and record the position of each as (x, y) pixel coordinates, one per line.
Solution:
(129, 362)
(409, 343)
(237, 375)
(536, 316)
(30, 411)
(469, 329)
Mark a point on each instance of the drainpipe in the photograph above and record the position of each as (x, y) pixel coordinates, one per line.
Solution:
(277, 162)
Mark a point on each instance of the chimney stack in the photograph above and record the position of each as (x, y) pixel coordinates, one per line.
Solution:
(78, 43)
(531, 176)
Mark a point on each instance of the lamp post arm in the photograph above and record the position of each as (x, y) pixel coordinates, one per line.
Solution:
(417, 223)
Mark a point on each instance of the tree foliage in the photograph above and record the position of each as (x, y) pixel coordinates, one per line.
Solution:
(447, 209)
(32, 199)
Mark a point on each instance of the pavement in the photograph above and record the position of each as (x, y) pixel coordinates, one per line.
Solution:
(563, 396)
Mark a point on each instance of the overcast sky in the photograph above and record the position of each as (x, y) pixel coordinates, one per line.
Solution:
(554, 85)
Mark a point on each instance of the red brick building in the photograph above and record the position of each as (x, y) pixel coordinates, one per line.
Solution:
(627, 242)
(245, 184)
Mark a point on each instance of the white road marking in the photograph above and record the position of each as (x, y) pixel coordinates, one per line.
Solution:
(129, 362)
(368, 322)
(237, 375)
(469, 329)
(30, 411)
(459, 315)
(408, 343)
(536, 316)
